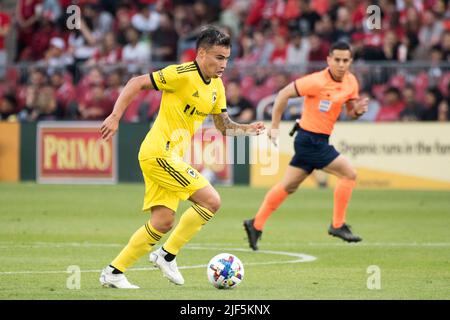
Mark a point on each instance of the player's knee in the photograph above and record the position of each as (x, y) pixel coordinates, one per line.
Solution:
(213, 204)
(291, 187)
(168, 225)
(351, 175)
(165, 225)
(162, 220)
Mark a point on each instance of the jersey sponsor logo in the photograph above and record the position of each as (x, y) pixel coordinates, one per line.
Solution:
(161, 77)
(192, 173)
(201, 114)
(193, 111)
(196, 94)
(214, 97)
(324, 105)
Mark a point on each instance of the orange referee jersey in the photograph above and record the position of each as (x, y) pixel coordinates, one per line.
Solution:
(324, 98)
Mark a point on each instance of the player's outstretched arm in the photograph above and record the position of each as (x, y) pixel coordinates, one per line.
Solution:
(228, 127)
(129, 92)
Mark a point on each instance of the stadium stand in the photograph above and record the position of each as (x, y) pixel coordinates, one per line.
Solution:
(275, 41)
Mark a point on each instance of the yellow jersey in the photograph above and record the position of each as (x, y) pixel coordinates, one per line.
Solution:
(187, 100)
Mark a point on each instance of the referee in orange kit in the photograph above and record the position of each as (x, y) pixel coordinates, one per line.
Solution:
(325, 92)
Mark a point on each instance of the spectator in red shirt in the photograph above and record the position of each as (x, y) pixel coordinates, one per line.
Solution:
(64, 90)
(40, 42)
(96, 106)
(28, 13)
(114, 81)
(94, 77)
(279, 53)
(109, 51)
(255, 13)
(392, 106)
(318, 48)
(5, 24)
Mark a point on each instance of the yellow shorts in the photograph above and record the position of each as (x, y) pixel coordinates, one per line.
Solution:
(168, 179)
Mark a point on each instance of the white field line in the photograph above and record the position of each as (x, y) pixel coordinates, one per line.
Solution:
(382, 244)
(10, 245)
(298, 257)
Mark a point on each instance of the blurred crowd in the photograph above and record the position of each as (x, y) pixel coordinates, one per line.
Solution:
(55, 67)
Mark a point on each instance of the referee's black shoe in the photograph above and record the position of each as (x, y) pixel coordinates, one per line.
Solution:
(344, 233)
(253, 235)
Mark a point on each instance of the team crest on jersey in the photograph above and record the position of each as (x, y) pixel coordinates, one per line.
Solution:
(214, 96)
(192, 173)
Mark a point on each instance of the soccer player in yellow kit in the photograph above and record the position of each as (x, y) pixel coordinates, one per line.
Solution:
(191, 91)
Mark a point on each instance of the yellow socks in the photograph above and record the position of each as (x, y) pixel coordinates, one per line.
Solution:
(140, 243)
(146, 236)
(190, 223)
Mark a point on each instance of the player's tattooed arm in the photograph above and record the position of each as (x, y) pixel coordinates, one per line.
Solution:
(228, 127)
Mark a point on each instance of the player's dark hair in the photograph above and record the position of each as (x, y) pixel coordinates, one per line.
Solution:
(211, 36)
(340, 45)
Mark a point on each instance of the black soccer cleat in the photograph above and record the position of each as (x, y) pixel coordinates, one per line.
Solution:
(344, 233)
(253, 235)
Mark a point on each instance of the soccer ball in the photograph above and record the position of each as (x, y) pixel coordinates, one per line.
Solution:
(225, 271)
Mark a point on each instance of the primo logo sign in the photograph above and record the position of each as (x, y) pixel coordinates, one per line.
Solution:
(70, 152)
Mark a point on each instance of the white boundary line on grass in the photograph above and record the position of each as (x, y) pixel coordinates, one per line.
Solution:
(9, 245)
(382, 244)
(299, 257)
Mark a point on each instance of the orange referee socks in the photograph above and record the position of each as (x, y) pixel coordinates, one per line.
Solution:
(342, 195)
(271, 202)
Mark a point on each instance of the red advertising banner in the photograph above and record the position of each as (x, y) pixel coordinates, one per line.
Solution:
(73, 152)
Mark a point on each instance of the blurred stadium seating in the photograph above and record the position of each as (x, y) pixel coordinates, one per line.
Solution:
(274, 41)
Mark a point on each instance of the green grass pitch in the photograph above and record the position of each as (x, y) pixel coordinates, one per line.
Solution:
(44, 229)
